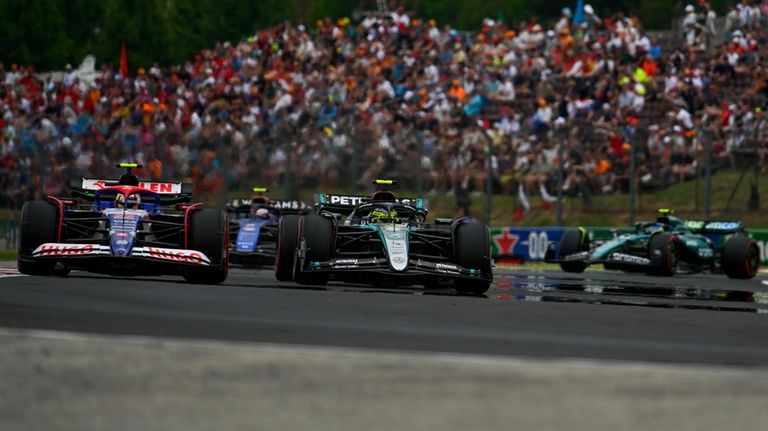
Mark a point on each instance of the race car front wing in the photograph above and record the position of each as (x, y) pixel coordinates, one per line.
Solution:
(64, 251)
(381, 265)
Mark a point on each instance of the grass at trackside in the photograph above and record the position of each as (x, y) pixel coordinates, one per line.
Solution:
(7, 254)
(613, 210)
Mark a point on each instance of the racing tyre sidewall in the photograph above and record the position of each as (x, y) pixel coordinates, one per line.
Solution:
(39, 225)
(663, 251)
(473, 251)
(741, 257)
(211, 242)
(315, 239)
(287, 232)
(573, 242)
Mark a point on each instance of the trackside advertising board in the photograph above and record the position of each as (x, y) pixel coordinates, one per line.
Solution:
(530, 243)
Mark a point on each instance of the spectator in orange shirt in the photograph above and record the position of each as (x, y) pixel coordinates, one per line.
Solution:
(457, 92)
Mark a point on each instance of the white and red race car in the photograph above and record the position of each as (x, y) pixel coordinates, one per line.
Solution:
(125, 227)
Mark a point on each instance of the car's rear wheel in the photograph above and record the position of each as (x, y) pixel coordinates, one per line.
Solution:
(314, 240)
(39, 225)
(572, 242)
(287, 231)
(663, 251)
(741, 257)
(208, 235)
(473, 251)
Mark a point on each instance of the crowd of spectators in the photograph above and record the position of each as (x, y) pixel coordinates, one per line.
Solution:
(336, 103)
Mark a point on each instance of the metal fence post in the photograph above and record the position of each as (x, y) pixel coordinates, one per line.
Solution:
(632, 180)
(560, 174)
(707, 137)
(488, 174)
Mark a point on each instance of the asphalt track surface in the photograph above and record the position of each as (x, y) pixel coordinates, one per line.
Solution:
(687, 319)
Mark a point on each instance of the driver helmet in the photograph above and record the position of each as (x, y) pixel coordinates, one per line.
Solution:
(119, 201)
(133, 202)
(262, 213)
(655, 227)
(379, 215)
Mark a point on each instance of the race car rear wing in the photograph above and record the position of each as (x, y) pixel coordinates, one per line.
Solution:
(156, 187)
(169, 192)
(717, 227)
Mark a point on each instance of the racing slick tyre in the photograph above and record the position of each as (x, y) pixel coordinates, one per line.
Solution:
(208, 235)
(663, 251)
(39, 222)
(572, 243)
(314, 239)
(287, 231)
(741, 257)
(473, 251)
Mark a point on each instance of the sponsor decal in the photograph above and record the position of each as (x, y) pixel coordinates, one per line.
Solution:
(723, 225)
(577, 256)
(446, 266)
(628, 258)
(189, 256)
(345, 200)
(706, 252)
(290, 205)
(505, 241)
(537, 245)
(63, 250)
(345, 262)
(398, 259)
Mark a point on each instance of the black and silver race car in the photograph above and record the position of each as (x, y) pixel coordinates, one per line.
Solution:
(382, 240)
(124, 227)
(253, 227)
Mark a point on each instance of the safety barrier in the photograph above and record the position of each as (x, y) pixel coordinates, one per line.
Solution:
(529, 244)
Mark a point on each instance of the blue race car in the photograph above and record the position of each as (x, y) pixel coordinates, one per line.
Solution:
(253, 227)
(124, 227)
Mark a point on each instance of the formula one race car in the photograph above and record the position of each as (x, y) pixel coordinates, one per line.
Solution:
(663, 246)
(124, 227)
(253, 227)
(382, 240)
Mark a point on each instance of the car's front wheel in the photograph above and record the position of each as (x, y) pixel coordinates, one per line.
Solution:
(39, 224)
(663, 251)
(208, 235)
(473, 251)
(287, 230)
(315, 237)
(573, 242)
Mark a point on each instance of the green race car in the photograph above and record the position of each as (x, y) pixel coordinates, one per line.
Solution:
(664, 247)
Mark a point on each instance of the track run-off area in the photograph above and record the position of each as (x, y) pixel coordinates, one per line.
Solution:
(541, 350)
